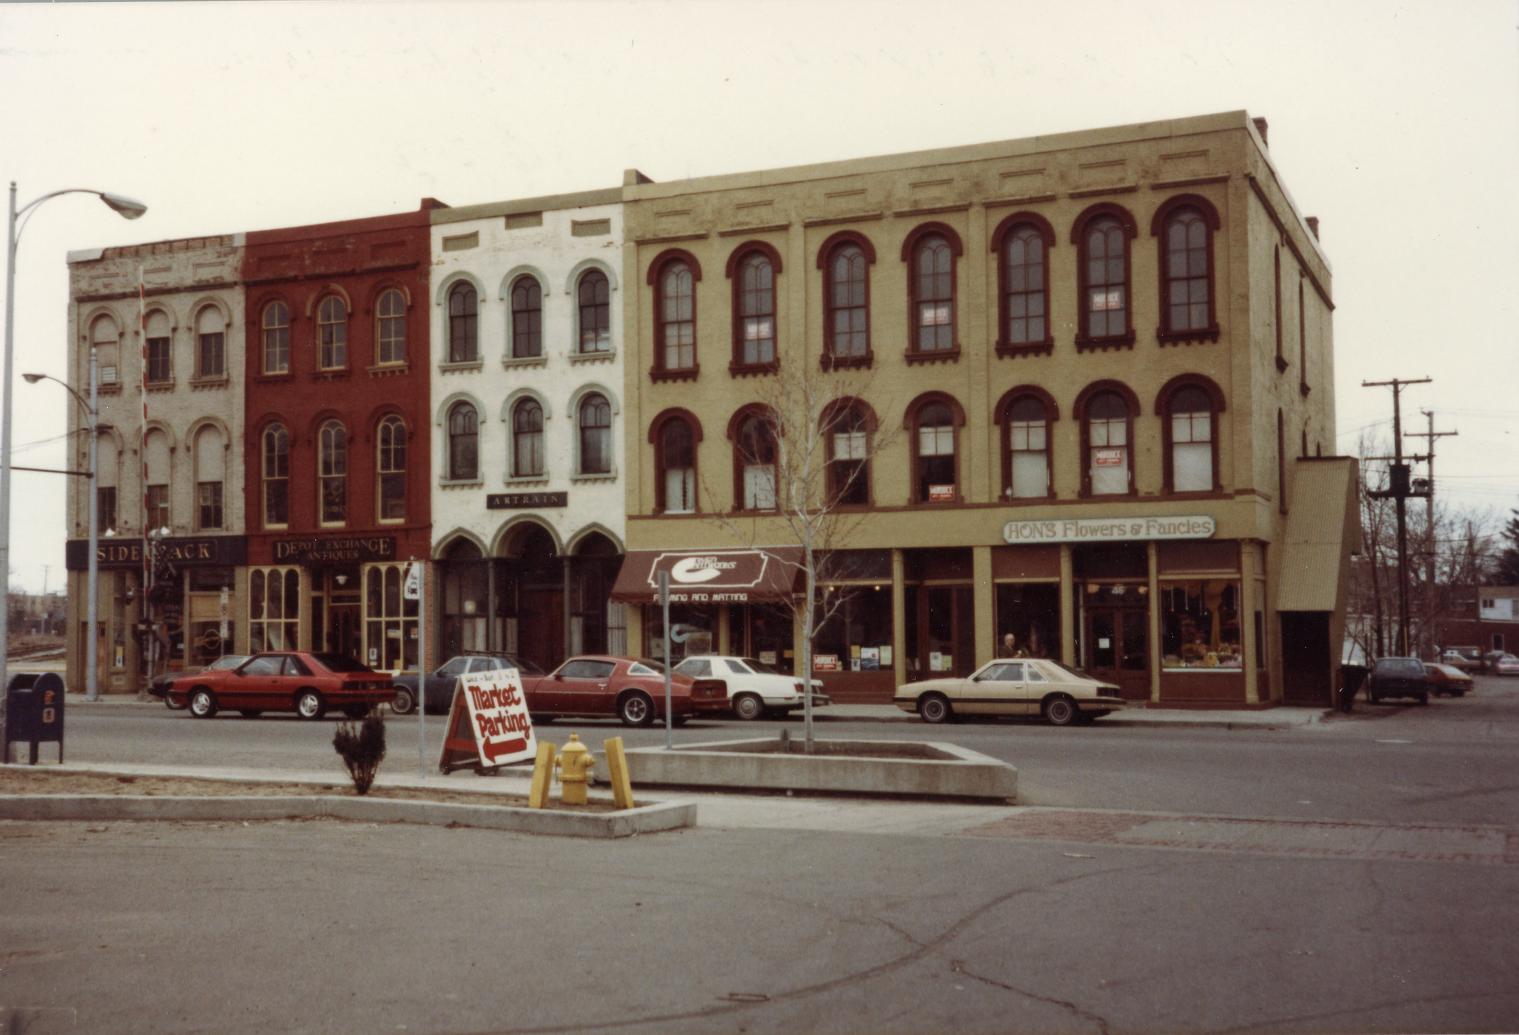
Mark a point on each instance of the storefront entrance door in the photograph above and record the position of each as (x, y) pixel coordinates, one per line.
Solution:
(343, 630)
(540, 627)
(1117, 648)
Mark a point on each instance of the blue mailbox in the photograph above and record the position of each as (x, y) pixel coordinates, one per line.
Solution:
(34, 712)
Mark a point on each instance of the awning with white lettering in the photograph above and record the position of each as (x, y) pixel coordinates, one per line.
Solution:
(739, 576)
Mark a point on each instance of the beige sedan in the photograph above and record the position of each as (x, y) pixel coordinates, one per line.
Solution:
(1022, 686)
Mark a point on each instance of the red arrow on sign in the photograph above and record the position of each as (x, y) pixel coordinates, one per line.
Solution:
(494, 749)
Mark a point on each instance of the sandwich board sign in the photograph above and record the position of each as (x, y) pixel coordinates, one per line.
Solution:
(488, 722)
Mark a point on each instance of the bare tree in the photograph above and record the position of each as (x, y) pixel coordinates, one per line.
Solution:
(806, 450)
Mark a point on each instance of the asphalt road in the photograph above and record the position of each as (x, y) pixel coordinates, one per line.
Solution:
(1368, 882)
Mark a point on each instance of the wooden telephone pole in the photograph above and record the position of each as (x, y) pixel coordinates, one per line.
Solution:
(1429, 437)
(1399, 489)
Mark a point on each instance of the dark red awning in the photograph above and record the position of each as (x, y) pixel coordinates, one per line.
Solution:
(737, 576)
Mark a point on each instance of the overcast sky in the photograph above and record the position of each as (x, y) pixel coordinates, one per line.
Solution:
(1397, 124)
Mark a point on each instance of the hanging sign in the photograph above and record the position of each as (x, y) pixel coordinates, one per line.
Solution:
(412, 590)
(488, 722)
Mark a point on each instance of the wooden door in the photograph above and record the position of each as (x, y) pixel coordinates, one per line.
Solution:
(1117, 648)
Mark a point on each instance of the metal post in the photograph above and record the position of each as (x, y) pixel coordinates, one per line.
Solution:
(664, 603)
(92, 595)
(421, 666)
(5, 435)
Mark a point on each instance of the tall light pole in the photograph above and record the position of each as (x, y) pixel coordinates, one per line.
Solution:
(127, 208)
(92, 411)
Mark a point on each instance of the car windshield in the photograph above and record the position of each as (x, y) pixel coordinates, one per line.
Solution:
(341, 663)
(227, 661)
(1399, 667)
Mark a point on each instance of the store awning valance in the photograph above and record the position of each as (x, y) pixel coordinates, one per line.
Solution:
(738, 576)
(1323, 530)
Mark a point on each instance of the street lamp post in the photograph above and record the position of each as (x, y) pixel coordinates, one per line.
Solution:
(92, 412)
(127, 208)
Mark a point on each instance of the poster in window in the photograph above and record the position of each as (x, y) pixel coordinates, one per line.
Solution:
(870, 659)
(885, 650)
(825, 663)
(936, 662)
(941, 494)
(767, 657)
(1107, 458)
(1110, 301)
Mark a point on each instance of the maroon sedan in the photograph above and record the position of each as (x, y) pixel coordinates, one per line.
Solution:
(632, 689)
(285, 681)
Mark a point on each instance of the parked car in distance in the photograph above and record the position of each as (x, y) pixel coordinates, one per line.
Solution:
(1507, 665)
(1447, 679)
(753, 687)
(1032, 686)
(1398, 677)
(1491, 659)
(440, 681)
(631, 689)
(285, 681)
(159, 687)
(1467, 659)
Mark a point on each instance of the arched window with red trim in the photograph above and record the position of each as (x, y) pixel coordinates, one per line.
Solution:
(1107, 411)
(1022, 243)
(1184, 228)
(845, 260)
(675, 462)
(1024, 417)
(1102, 235)
(754, 461)
(849, 427)
(934, 421)
(754, 306)
(933, 294)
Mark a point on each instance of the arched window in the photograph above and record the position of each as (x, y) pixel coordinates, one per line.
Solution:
(332, 333)
(275, 330)
(934, 458)
(754, 458)
(675, 324)
(849, 456)
(754, 338)
(595, 435)
(527, 439)
(1184, 227)
(676, 461)
(159, 348)
(390, 468)
(210, 461)
(846, 300)
(463, 443)
(1026, 437)
(332, 472)
(1102, 237)
(1191, 442)
(276, 476)
(1107, 423)
(1023, 277)
(595, 312)
(106, 341)
(390, 327)
(210, 343)
(933, 295)
(159, 463)
(463, 323)
(527, 317)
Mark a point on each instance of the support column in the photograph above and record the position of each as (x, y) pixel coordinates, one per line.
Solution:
(985, 604)
(633, 614)
(569, 588)
(1067, 606)
(898, 617)
(1251, 650)
(1152, 557)
(723, 639)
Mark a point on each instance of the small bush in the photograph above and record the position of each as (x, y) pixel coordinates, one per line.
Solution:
(361, 745)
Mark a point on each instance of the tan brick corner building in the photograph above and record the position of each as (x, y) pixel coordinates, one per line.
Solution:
(1080, 388)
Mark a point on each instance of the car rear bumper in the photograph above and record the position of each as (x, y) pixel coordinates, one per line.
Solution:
(1102, 704)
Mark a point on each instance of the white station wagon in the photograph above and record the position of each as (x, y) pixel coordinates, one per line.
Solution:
(754, 688)
(1012, 686)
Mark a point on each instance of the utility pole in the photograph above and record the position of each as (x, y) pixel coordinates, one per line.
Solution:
(1399, 489)
(1429, 437)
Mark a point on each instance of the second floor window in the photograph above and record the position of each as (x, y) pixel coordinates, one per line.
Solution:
(756, 311)
(463, 324)
(1106, 312)
(847, 301)
(160, 353)
(276, 476)
(595, 436)
(595, 297)
(208, 505)
(1109, 471)
(332, 473)
(390, 469)
(210, 343)
(390, 328)
(677, 467)
(275, 331)
(1025, 287)
(463, 443)
(933, 295)
(849, 458)
(527, 440)
(756, 452)
(677, 317)
(934, 478)
(1191, 434)
(158, 506)
(105, 506)
(332, 333)
(1028, 447)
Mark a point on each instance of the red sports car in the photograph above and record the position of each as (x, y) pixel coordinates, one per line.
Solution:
(285, 681)
(631, 689)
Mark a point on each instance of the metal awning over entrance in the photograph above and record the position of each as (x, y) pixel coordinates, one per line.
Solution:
(754, 575)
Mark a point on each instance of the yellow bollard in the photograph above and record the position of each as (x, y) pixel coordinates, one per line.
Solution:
(543, 773)
(617, 772)
(574, 763)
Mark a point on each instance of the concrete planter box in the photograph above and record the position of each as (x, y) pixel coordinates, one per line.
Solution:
(884, 767)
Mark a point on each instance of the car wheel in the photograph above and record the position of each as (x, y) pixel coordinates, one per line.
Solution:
(309, 705)
(250, 713)
(1060, 710)
(404, 702)
(636, 709)
(934, 708)
(357, 711)
(748, 707)
(202, 703)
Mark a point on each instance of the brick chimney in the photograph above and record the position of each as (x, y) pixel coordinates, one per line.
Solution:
(1313, 224)
(1260, 127)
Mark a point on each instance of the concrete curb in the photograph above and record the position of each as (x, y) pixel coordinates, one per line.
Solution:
(645, 819)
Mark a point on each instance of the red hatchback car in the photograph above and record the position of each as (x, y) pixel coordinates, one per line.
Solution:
(285, 681)
(631, 689)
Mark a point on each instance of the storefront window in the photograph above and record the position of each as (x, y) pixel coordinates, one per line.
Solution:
(1030, 613)
(390, 623)
(274, 609)
(856, 631)
(693, 630)
(762, 631)
(466, 584)
(1200, 624)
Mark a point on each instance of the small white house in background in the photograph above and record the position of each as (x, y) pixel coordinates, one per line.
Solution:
(527, 425)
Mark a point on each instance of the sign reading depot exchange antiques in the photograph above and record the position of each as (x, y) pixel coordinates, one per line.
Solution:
(341, 549)
(1109, 530)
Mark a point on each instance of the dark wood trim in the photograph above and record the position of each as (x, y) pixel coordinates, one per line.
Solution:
(950, 355)
(911, 425)
(1165, 333)
(655, 278)
(1002, 416)
(1045, 345)
(1302, 338)
(656, 439)
(831, 362)
(832, 244)
(690, 373)
(910, 245)
(1216, 404)
(737, 367)
(1015, 351)
(1084, 338)
(769, 422)
(740, 252)
(1079, 412)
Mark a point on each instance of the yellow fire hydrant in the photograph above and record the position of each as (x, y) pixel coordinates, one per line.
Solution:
(574, 763)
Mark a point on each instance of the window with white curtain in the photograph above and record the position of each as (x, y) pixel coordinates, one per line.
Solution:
(1108, 445)
(1028, 449)
(1191, 441)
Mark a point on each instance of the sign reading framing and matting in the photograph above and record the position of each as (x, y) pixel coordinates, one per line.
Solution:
(488, 723)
